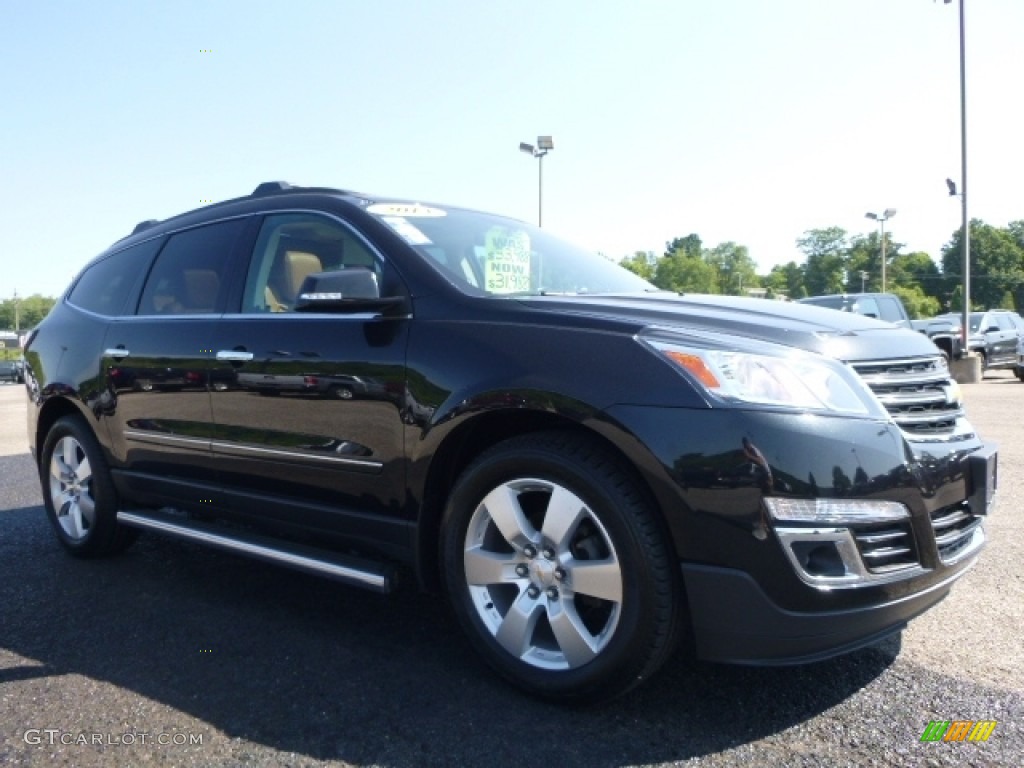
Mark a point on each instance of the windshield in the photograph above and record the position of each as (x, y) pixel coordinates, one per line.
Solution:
(493, 255)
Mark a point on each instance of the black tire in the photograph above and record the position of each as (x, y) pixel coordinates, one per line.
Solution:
(341, 393)
(78, 492)
(539, 614)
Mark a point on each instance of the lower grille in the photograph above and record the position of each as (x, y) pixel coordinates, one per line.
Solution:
(887, 547)
(955, 529)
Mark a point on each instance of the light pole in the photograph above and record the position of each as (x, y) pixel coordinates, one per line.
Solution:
(881, 218)
(544, 145)
(965, 230)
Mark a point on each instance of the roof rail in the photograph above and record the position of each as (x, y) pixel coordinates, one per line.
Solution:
(270, 187)
(144, 225)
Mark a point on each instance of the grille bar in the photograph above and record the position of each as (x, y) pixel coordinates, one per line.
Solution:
(918, 393)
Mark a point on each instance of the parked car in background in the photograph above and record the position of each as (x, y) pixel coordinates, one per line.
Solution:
(882, 306)
(993, 335)
(889, 307)
(9, 371)
(1018, 369)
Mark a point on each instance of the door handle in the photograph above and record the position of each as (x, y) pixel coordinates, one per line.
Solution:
(233, 356)
(116, 353)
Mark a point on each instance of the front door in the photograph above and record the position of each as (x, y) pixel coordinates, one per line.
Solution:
(307, 407)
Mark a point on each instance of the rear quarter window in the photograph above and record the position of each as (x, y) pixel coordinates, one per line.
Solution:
(104, 287)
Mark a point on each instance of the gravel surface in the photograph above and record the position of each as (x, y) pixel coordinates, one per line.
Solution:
(264, 667)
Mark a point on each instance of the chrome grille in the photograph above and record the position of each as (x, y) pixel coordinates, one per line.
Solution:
(955, 528)
(919, 393)
(887, 547)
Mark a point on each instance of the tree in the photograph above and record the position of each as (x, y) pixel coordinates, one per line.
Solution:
(787, 279)
(918, 269)
(916, 302)
(684, 273)
(736, 270)
(640, 263)
(30, 311)
(690, 245)
(997, 265)
(825, 270)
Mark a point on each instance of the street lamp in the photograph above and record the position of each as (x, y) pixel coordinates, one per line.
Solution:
(544, 145)
(965, 232)
(881, 218)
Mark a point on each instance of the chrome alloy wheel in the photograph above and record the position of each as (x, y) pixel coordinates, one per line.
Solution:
(71, 488)
(542, 574)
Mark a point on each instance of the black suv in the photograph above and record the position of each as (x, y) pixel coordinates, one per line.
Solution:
(588, 467)
(993, 336)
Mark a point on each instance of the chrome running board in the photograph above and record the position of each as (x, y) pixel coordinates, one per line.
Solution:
(377, 577)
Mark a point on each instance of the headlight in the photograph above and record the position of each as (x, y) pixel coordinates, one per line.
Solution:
(771, 376)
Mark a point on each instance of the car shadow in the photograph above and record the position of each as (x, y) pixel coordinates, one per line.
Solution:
(306, 666)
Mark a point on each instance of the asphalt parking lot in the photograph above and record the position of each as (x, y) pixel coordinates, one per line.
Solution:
(173, 655)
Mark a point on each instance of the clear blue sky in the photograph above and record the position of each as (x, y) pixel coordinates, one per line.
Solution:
(743, 120)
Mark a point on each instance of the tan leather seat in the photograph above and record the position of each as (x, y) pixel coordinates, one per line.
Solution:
(201, 289)
(290, 269)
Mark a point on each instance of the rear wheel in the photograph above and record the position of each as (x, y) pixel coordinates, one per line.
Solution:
(558, 570)
(78, 493)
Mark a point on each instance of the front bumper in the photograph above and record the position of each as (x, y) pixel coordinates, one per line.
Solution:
(754, 630)
(749, 599)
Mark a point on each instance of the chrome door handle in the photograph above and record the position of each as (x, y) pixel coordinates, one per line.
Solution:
(117, 353)
(233, 356)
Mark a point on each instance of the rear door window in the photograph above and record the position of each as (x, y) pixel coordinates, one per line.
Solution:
(189, 276)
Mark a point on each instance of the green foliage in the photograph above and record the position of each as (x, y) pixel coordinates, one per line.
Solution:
(825, 269)
(684, 273)
(25, 312)
(787, 279)
(835, 262)
(641, 263)
(915, 300)
(689, 245)
(997, 263)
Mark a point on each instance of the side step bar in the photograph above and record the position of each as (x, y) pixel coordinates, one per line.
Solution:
(377, 577)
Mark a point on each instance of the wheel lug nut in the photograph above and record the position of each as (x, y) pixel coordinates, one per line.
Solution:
(522, 570)
(560, 573)
(529, 551)
(553, 593)
(533, 591)
(548, 553)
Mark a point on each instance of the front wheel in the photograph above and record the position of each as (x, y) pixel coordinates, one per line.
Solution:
(558, 570)
(78, 492)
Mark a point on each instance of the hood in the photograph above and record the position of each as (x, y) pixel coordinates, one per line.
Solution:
(843, 335)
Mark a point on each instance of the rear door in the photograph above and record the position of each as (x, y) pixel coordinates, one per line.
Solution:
(156, 363)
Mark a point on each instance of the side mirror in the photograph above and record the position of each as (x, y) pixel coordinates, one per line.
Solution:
(345, 291)
(991, 329)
